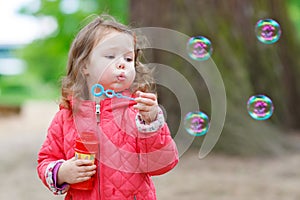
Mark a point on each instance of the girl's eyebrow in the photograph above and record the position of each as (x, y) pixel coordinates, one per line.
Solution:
(115, 48)
(123, 51)
(129, 52)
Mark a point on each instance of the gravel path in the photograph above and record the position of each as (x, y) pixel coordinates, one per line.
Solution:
(217, 177)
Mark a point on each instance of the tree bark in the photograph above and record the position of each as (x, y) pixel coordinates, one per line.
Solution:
(247, 66)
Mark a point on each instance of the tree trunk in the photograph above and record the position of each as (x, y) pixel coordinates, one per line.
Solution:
(247, 66)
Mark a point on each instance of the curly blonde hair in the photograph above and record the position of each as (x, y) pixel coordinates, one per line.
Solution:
(74, 84)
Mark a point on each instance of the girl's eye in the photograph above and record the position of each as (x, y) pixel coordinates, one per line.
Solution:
(110, 57)
(129, 59)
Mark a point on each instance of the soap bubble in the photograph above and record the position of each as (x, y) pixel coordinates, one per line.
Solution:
(199, 48)
(260, 107)
(196, 123)
(267, 31)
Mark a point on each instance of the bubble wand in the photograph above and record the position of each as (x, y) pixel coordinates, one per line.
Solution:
(108, 93)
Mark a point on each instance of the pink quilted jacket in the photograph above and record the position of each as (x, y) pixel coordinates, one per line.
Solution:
(128, 156)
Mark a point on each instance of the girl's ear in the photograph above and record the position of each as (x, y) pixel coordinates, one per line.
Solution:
(85, 70)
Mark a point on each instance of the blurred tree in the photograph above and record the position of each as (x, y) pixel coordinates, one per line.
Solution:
(248, 67)
(47, 56)
(294, 14)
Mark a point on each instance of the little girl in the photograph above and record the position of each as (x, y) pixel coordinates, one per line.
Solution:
(122, 111)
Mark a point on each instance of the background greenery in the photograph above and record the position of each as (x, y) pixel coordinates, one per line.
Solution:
(247, 66)
(46, 57)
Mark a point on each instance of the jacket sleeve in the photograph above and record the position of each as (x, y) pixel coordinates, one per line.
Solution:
(51, 155)
(157, 150)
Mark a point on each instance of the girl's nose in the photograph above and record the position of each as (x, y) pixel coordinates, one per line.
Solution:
(121, 66)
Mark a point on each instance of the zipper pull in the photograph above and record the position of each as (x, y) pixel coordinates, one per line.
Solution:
(98, 112)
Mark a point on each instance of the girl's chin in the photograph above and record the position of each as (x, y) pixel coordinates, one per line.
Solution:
(118, 88)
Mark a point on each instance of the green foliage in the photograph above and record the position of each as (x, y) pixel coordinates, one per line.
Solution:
(16, 89)
(294, 14)
(46, 57)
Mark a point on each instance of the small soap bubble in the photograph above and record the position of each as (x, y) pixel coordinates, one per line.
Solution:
(199, 48)
(196, 123)
(260, 107)
(267, 31)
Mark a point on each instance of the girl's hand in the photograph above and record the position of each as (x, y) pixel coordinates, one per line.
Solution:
(75, 171)
(147, 106)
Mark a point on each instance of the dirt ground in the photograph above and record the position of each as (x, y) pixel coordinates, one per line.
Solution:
(216, 177)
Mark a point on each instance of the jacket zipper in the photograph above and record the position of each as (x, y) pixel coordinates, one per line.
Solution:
(134, 197)
(97, 113)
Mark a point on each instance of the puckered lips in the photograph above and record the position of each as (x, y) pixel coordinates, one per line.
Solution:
(121, 77)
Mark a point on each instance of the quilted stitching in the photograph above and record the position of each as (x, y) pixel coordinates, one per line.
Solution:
(127, 159)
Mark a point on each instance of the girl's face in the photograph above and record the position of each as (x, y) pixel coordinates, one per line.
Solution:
(112, 62)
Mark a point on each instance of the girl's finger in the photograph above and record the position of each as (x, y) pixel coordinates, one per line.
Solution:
(87, 174)
(89, 168)
(85, 168)
(146, 95)
(81, 162)
(141, 107)
(145, 101)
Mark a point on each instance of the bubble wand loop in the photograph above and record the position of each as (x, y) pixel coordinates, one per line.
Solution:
(108, 93)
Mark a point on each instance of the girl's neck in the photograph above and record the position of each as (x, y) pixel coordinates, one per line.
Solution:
(98, 99)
